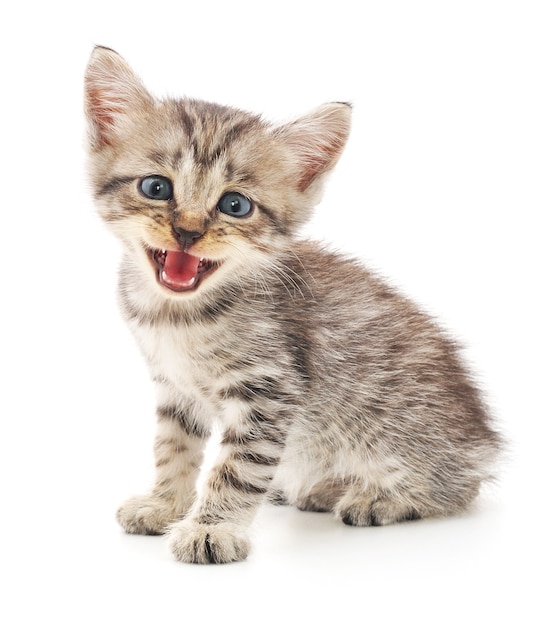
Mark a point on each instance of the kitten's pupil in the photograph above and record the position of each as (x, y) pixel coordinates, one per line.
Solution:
(235, 204)
(156, 187)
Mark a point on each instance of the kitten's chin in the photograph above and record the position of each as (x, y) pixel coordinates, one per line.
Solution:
(180, 272)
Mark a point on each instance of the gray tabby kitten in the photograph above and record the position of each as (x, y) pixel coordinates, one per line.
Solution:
(332, 391)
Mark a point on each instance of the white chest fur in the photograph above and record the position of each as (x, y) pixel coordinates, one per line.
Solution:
(178, 355)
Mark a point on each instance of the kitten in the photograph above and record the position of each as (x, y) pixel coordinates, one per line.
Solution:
(332, 391)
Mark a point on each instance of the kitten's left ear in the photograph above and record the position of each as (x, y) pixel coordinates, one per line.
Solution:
(114, 96)
(316, 140)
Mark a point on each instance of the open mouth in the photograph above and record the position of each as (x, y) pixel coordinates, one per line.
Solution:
(181, 271)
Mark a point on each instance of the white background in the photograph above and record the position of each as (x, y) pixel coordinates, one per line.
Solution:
(446, 187)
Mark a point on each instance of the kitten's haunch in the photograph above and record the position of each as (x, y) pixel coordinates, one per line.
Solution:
(333, 392)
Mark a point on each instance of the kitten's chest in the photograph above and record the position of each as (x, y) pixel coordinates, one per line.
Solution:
(190, 358)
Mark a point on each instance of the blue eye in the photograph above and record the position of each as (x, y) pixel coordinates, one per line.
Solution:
(156, 187)
(234, 204)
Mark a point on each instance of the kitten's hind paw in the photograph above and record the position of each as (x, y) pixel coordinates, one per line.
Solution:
(362, 511)
(191, 542)
(147, 515)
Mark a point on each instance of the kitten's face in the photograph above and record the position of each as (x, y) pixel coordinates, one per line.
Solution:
(190, 193)
(200, 193)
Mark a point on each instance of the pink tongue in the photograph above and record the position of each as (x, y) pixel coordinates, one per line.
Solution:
(180, 269)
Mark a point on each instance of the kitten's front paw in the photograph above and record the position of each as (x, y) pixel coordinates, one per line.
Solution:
(191, 542)
(147, 515)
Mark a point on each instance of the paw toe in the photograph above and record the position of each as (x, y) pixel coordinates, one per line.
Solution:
(191, 542)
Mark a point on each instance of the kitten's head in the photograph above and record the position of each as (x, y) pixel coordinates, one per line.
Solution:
(200, 192)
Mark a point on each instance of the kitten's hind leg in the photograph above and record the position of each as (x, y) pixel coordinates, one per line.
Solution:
(178, 452)
(372, 507)
(322, 498)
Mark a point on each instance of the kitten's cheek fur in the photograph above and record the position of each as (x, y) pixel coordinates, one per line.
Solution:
(191, 542)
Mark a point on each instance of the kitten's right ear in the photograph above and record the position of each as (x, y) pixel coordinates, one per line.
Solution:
(114, 95)
(316, 141)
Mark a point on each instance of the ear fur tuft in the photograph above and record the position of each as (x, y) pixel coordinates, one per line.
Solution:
(113, 93)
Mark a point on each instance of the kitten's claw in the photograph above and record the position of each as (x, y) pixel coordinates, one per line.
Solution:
(191, 542)
(147, 515)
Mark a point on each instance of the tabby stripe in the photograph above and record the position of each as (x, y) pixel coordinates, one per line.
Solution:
(238, 129)
(265, 387)
(114, 184)
(275, 221)
(207, 156)
(254, 457)
(164, 159)
(233, 438)
(239, 176)
(188, 123)
(232, 480)
(189, 425)
(210, 518)
(271, 429)
(239, 439)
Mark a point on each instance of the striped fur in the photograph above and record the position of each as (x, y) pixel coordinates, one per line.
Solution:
(332, 391)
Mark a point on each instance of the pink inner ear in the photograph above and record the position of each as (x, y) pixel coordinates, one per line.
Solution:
(316, 163)
(317, 141)
(112, 93)
(103, 110)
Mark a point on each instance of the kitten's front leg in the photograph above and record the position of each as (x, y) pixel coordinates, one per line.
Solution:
(215, 531)
(178, 452)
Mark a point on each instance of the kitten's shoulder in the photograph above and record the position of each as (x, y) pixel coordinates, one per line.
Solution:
(347, 288)
(333, 269)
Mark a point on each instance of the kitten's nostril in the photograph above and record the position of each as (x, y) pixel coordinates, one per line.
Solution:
(186, 238)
